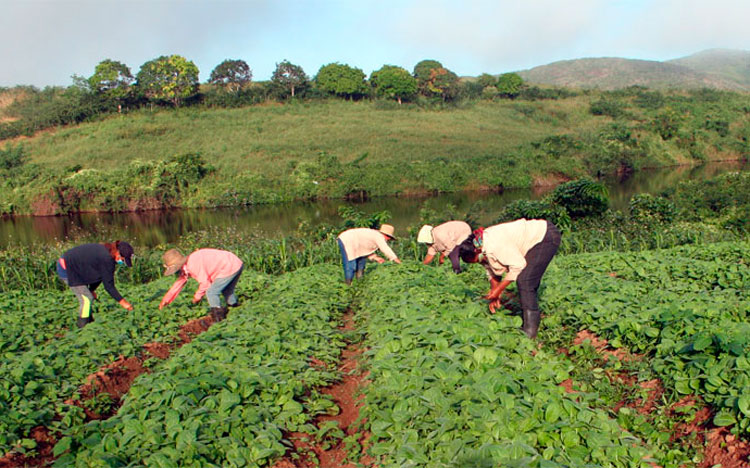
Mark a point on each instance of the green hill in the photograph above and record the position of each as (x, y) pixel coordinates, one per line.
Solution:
(731, 65)
(717, 69)
(270, 153)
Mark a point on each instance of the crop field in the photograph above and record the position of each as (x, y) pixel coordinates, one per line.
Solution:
(633, 349)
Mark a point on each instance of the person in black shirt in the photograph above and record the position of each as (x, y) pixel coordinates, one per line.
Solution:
(85, 267)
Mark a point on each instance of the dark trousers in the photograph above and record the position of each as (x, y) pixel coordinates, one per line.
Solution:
(537, 260)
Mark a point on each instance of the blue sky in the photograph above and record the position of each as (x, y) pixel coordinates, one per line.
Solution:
(45, 42)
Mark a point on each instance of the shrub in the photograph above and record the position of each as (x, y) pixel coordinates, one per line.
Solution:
(607, 107)
(535, 209)
(581, 198)
(12, 157)
(647, 208)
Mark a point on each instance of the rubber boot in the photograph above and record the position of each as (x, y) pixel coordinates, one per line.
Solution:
(531, 319)
(82, 322)
(218, 314)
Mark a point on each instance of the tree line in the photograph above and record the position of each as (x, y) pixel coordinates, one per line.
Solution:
(172, 81)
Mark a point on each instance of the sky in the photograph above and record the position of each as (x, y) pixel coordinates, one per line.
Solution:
(46, 42)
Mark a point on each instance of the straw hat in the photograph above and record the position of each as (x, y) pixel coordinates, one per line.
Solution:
(425, 235)
(173, 261)
(388, 230)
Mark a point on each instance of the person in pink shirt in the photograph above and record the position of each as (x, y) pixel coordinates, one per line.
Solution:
(217, 273)
(359, 244)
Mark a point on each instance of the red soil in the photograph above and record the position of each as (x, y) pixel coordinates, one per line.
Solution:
(344, 395)
(721, 448)
(45, 443)
(114, 380)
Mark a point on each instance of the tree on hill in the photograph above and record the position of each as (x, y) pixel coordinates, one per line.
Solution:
(485, 79)
(169, 78)
(423, 71)
(112, 79)
(393, 82)
(443, 83)
(509, 85)
(341, 80)
(289, 78)
(231, 75)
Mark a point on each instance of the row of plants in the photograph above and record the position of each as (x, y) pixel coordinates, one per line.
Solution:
(683, 309)
(231, 396)
(46, 359)
(453, 386)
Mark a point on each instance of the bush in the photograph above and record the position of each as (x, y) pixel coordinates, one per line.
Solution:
(535, 209)
(647, 208)
(607, 107)
(12, 157)
(581, 198)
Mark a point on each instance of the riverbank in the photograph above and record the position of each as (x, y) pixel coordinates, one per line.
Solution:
(190, 158)
(155, 227)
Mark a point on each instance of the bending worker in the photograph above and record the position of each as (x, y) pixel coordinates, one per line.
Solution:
(217, 273)
(444, 238)
(359, 244)
(520, 250)
(85, 267)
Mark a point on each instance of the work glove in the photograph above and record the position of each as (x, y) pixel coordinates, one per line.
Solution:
(126, 304)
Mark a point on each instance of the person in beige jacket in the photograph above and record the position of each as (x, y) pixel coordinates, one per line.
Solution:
(518, 251)
(359, 244)
(444, 239)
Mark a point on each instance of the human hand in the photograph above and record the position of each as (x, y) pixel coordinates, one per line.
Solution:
(495, 306)
(125, 304)
(195, 301)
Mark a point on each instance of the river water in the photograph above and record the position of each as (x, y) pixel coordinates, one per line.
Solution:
(160, 227)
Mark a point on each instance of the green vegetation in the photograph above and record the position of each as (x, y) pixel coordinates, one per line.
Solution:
(323, 149)
(47, 361)
(229, 397)
(454, 386)
(683, 311)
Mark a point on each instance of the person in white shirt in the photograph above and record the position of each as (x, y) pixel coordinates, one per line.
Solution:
(359, 244)
(444, 239)
(518, 251)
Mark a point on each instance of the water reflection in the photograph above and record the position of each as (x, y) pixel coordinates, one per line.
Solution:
(159, 227)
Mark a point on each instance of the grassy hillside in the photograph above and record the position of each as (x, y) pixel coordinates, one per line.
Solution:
(270, 153)
(733, 65)
(617, 73)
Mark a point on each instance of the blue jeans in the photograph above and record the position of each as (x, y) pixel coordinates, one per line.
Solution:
(351, 266)
(224, 286)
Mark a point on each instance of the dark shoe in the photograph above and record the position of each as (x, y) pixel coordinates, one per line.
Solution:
(82, 322)
(531, 319)
(218, 313)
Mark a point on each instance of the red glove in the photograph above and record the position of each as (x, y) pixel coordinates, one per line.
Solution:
(126, 304)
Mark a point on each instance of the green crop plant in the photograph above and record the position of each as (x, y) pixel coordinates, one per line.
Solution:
(454, 386)
(230, 396)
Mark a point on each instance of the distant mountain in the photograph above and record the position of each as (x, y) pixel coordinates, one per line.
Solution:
(716, 68)
(733, 65)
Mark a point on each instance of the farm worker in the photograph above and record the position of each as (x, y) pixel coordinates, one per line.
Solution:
(521, 250)
(444, 238)
(85, 267)
(217, 273)
(359, 244)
